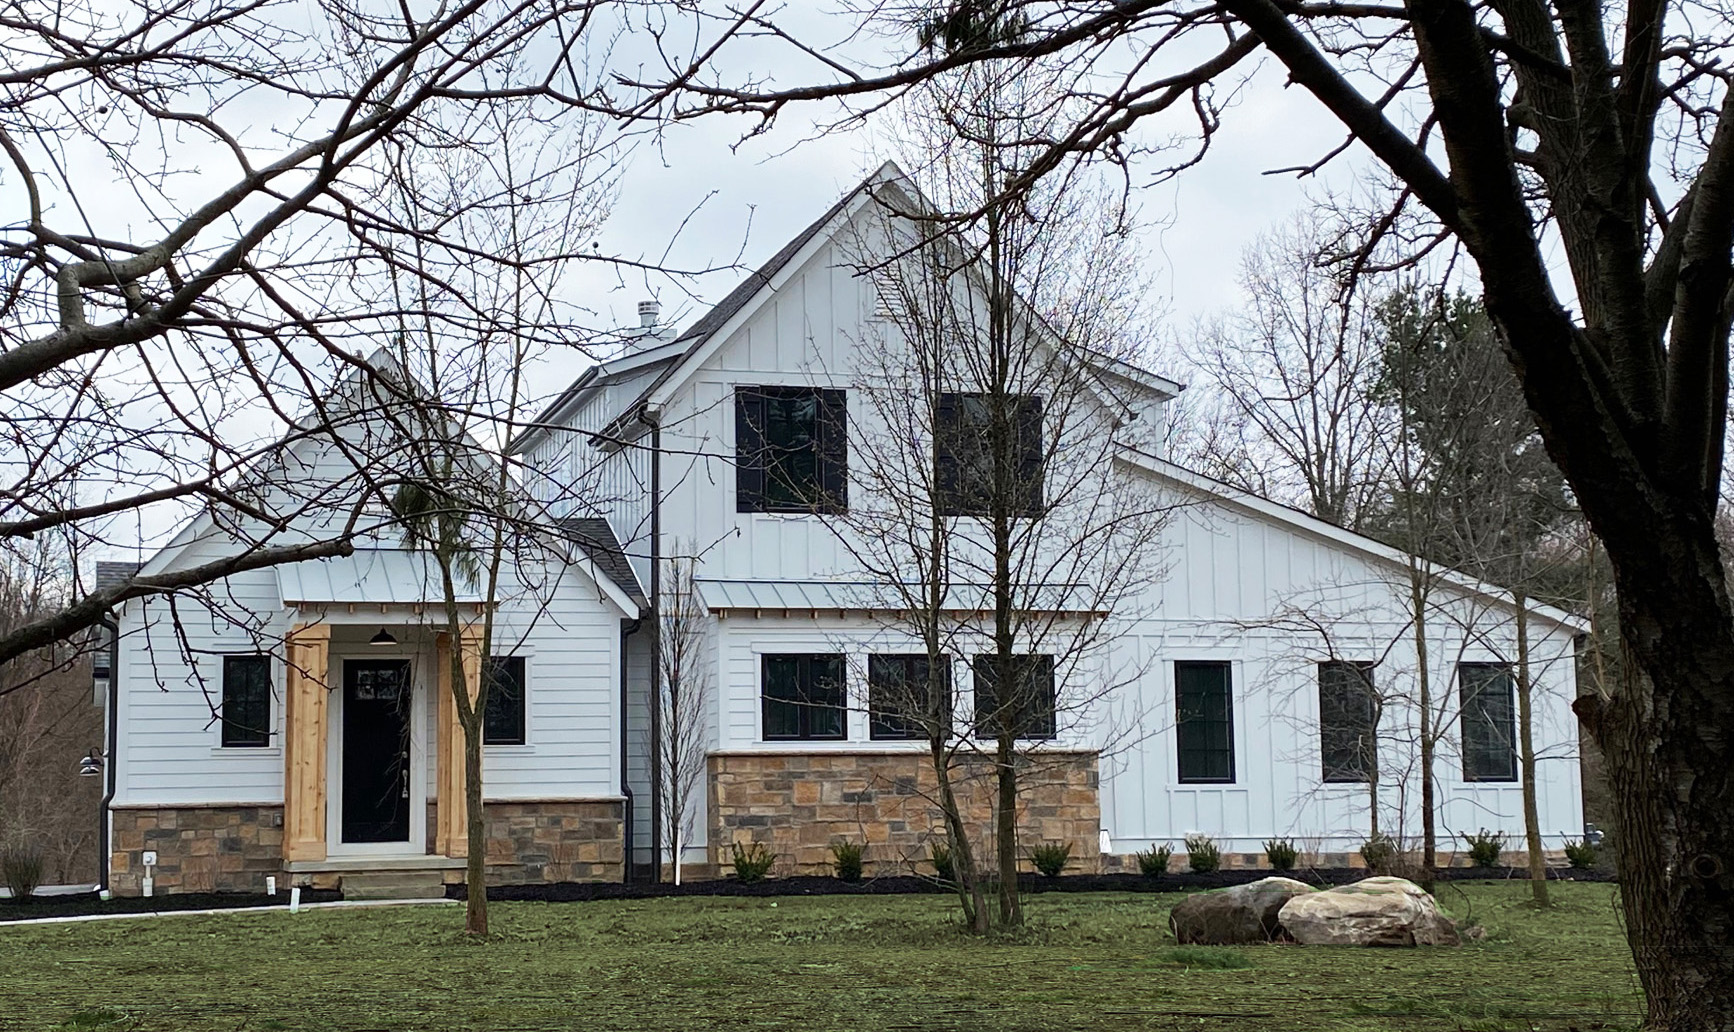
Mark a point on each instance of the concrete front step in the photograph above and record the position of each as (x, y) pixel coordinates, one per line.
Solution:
(394, 885)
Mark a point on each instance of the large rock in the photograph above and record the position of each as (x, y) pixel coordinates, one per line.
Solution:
(1371, 912)
(1231, 917)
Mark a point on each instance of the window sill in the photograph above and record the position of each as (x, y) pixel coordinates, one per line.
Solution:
(246, 750)
(509, 750)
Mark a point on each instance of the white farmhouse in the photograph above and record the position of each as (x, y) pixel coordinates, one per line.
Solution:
(291, 722)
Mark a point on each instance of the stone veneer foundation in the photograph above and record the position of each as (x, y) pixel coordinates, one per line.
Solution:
(235, 848)
(535, 842)
(199, 848)
(798, 804)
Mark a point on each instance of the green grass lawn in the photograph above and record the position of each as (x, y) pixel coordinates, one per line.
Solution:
(1086, 962)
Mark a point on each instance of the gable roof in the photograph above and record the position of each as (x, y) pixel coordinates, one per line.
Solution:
(1306, 523)
(595, 538)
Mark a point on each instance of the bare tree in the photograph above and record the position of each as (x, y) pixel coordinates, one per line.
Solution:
(199, 236)
(683, 644)
(992, 508)
(1606, 129)
(1295, 367)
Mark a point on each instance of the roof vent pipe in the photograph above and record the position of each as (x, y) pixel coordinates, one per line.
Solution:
(648, 313)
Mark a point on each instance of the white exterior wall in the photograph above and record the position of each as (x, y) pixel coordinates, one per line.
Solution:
(1230, 594)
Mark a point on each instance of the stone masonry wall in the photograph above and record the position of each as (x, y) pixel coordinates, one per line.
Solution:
(553, 842)
(199, 849)
(799, 804)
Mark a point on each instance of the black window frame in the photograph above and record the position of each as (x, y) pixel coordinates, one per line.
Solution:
(758, 474)
(809, 705)
(495, 713)
(1473, 705)
(952, 493)
(1190, 722)
(1038, 725)
(893, 672)
(244, 672)
(1348, 745)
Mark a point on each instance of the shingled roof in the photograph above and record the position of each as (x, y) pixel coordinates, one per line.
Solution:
(595, 538)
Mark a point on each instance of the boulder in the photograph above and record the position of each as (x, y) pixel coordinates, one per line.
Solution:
(1370, 912)
(1236, 916)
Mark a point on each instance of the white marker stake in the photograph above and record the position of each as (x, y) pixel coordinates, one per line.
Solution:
(270, 885)
(294, 900)
(147, 885)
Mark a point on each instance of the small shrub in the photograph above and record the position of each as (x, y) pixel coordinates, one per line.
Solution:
(753, 862)
(1379, 852)
(1051, 858)
(1484, 848)
(1153, 863)
(1581, 854)
(846, 860)
(1202, 854)
(1281, 854)
(21, 870)
(942, 866)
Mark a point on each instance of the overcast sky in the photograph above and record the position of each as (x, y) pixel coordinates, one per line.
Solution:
(762, 192)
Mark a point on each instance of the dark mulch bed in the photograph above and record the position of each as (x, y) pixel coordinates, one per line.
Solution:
(85, 904)
(808, 885)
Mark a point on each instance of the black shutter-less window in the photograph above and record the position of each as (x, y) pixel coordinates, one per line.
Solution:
(246, 701)
(1347, 721)
(1030, 452)
(749, 450)
(1489, 721)
(1204, 729)
(946, 476)
(834, 451)
(503, 719)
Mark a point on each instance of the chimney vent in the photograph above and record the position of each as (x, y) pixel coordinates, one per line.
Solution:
(648, 313)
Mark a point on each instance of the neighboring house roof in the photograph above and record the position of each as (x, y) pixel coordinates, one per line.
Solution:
(721, 596)
(1258, 506)
(596, 539)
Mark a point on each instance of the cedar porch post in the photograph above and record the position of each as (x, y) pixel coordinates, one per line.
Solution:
(451, 836)
(309, 660)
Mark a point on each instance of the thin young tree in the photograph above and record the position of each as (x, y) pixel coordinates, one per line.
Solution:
(683, 646)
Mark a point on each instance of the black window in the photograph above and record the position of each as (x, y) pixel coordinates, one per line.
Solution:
(1028, 702)
(791, 450)
(1205, 722)
(803, 697)
(503, 720)
(964, 454)
(246, 701)
(1489, 722)
(897, 695)
(1346, 720)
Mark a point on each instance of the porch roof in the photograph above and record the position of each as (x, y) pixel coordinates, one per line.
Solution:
(371, 575)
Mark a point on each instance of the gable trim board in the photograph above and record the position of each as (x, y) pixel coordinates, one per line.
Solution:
(1275, 512)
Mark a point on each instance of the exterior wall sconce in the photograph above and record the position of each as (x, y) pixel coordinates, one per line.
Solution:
(91, 765)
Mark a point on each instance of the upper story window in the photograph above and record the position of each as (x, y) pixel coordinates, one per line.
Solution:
(503, 719)
(803, 697)
(900, 691)
(965, 454)
(1489, 721)
(1027, 702)
(1205, 722)
(1347, 718)
(791, 450)
(246, 701)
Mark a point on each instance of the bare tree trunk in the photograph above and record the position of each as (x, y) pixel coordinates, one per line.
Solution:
(1424, 697)
(964, 873)
(475, 874)
(1526, 743)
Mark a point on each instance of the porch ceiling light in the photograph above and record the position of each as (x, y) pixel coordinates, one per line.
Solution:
(384, 637)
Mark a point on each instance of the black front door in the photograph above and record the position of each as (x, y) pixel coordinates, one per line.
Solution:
(376, 716)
